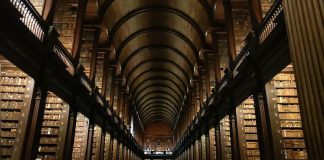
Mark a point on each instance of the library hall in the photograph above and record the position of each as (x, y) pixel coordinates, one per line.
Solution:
(161, 79)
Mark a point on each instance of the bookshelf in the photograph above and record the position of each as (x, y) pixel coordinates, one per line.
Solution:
(285, 115)
(212, 143)
(114, 149)
(109, 83)
(65, 21)
(96, 143)
(16, 89)
(99, 70)
(86, 49)
(53, 131)
(197, 150)
(39, 5)
(247, 130)
(223, 51)
(265, 6)
(80, 137)
(287, 106)
(107, 151)
(241, 23)
(226, 138)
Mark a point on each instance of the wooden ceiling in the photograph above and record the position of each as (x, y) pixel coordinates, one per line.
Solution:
(156, 43)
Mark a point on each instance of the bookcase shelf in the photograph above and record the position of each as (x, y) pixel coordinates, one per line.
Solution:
(265, 6)
(15, 97)
(241, 23)
(54, 126)
(86, 52)
(286, 110)
(65, 21)
(80, 138)
(212, 143)
(226, 137)
(99, 70)
(247, 130)
(107, 151)
(96, 143)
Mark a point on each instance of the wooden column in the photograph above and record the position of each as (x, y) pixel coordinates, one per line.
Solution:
(234, 137)
(102, 145)
(33, 133)
(202, 85)
(217, 60)
(117, 150)
(230, 30)
(49, 11)
(105, 75)
(90, 139)
(263, 126)
(255, 13)
(78, 30)
(110, 93)
(94, 54)
(208, 71)
(218, 142)
(69, 140)
(304, 20)
(111, 147)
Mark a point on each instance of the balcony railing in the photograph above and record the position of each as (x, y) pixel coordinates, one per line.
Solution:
(270, 21)
(64, 55)
(31, 19)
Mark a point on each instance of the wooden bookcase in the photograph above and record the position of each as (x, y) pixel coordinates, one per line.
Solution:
(99, 70)
(96, 143)
(39, 5)
(54, 127)
(283, 101)
(241, 23)
(16, 89)
(80, 137)
(212, 144)
(247, 130)
(107, 149)
(87, 49)
(65, 21)
(225, 134)
(197, 150)
(114, 149)
(265, 6)
(223, 52)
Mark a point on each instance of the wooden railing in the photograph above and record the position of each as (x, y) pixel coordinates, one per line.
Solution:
(270, 21)
(31, 19)
(64, 55)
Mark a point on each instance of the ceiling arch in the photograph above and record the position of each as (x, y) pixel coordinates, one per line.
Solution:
(167, 37)
(161, 74)
(161, 95)
(133, 66)
(163, 114)
(157, 105)
(168, 114)
(157, 116)
(155, 88)
(157, 47)
(158, 102)
(161, 100)
(163, 66)
(154, 82)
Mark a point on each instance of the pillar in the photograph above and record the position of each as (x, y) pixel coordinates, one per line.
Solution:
(304, 20)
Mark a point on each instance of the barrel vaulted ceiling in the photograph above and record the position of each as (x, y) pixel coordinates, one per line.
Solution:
(157, 45)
